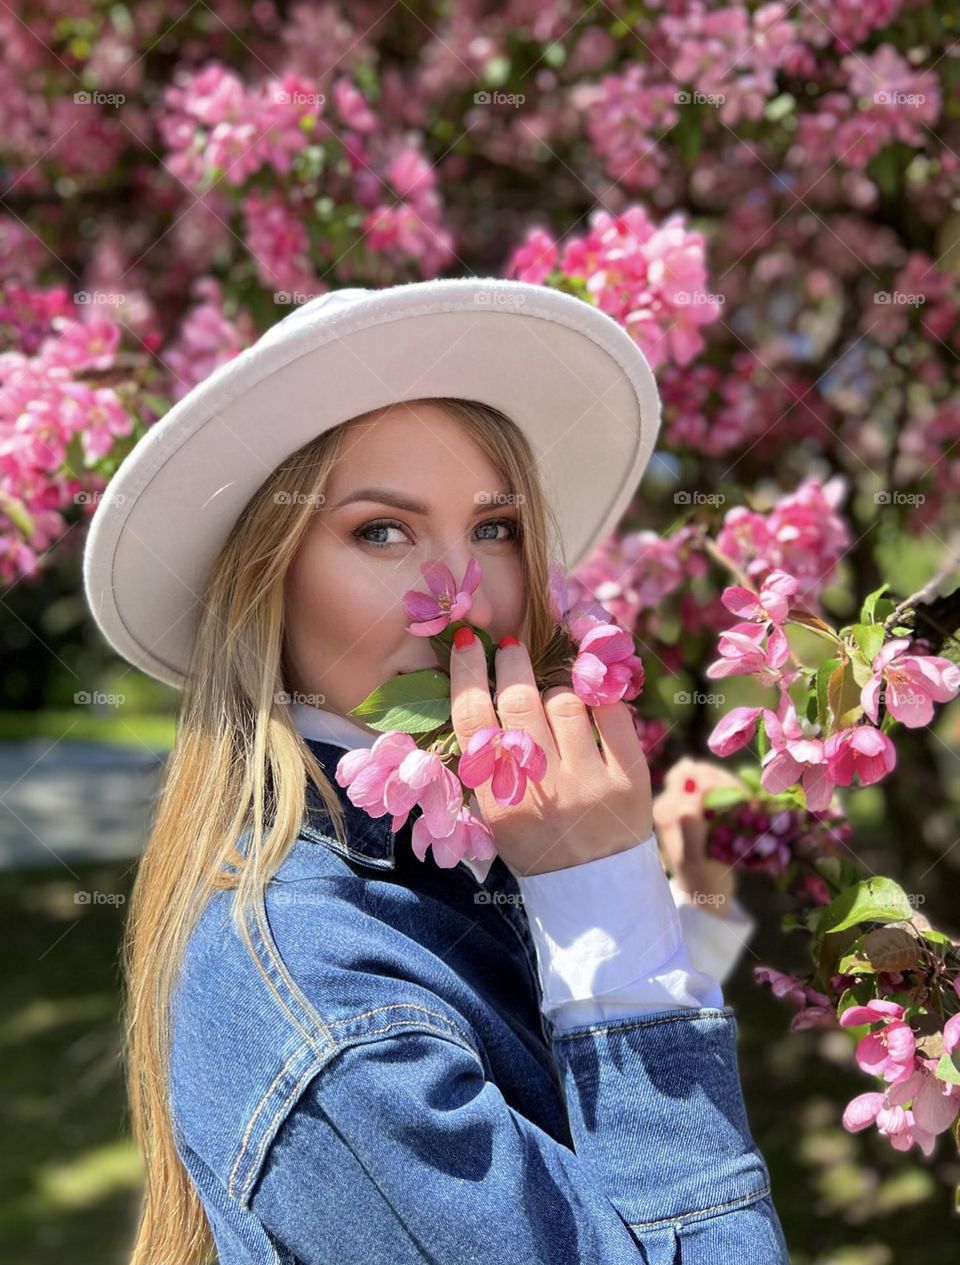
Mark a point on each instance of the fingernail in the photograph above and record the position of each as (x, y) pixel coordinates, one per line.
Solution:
(463, 637)
(509, 641)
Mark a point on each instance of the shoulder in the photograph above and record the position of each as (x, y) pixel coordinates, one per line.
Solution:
(253, 1024)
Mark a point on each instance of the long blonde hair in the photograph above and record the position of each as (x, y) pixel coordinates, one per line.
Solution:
(232, 736)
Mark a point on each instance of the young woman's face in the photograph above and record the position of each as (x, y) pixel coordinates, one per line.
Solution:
(345, 619)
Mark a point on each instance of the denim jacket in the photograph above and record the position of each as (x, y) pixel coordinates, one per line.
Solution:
(398, 1097)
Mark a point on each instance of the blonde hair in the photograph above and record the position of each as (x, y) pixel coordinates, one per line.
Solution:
(238, 764)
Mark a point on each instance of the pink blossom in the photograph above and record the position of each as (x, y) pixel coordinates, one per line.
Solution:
(508, 756)
(577, 616)
(370, 776)
(934, 1105)
(862, 750)
(735, 730)
(890, 1051)
(534, 258)
(795, 759)
(742, 653)
(447, 600)
(771, 605)
(607, 669)
(814, 1009)
(913, 683)
(469, 838)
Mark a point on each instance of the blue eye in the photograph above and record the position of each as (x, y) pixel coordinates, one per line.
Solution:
(383, 524)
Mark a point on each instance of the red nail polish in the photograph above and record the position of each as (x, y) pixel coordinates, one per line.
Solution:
(689, 786)
(509, 641)
(463, 637)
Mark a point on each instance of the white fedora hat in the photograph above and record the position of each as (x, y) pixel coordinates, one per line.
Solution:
(568, 374)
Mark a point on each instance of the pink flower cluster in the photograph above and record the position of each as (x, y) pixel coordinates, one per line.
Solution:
(44, 405)
(915, 1105)
(652, 280)
(803, 534)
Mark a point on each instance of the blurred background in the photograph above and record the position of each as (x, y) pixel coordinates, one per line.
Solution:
(767, 196)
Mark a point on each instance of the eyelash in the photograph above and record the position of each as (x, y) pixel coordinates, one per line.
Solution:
(358, 532)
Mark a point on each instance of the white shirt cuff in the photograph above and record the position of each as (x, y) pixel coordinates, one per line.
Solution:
(609, 939)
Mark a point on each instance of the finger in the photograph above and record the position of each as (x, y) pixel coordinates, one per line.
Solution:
(570, 723)
(471, 707)
(620, 741)
(518, 698)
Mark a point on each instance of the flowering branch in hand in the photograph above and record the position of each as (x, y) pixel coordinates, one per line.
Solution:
(409, 765)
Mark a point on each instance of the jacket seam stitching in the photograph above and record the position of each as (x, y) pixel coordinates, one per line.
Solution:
(696, 1213)
(310, 1071)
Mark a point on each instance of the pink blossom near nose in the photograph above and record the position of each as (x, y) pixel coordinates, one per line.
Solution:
(911, 684)
(469, 839)
(447, 600)
(742, 653)
(890, 1051)
(607, 670)
(507, 756)
(369, 775)
(772, 604)
(863, 750)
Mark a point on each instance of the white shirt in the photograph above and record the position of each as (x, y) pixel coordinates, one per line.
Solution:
(614, 937)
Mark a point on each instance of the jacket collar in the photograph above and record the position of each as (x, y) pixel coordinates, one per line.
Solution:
(372, 841)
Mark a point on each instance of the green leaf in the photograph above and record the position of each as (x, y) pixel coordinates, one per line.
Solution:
(871, 900)
(868, 609)
(869, 638)
(414, 703)
(844, 696)
(764, 745)
(725, 796)
(948, 1069)
(824, 672)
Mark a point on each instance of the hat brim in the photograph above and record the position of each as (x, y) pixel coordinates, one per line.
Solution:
(568, 374)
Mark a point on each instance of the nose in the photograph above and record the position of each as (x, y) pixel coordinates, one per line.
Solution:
(481, 609)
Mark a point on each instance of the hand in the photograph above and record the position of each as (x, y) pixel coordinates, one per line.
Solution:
(682, 830)
(591, 803)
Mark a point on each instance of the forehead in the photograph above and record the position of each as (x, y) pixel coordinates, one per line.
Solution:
(412, 446)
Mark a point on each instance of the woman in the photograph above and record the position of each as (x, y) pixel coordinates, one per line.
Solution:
(338, 1052)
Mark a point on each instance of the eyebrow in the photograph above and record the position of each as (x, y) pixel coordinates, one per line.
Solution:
(386, 496)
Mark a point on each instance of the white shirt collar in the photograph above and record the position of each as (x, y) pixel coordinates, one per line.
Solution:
(340, 731)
